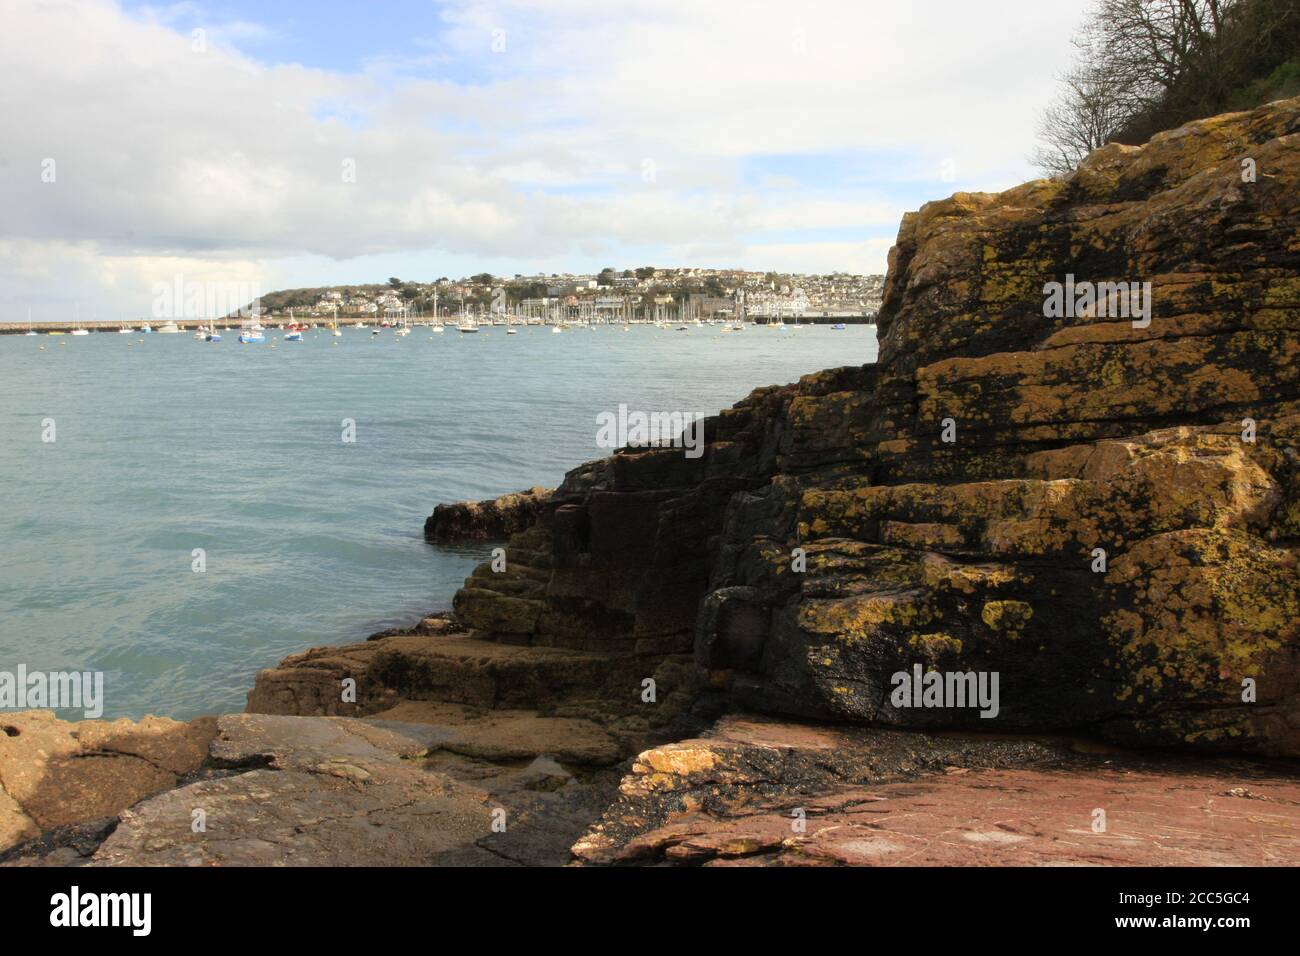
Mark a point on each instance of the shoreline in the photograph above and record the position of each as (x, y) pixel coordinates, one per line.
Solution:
(693, 660)
(103, 326)
(569, 789)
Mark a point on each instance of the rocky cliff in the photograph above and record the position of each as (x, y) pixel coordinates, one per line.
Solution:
(1069, 490)
(1096, 500)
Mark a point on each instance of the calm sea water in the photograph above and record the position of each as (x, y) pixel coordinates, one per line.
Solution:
(164, 444)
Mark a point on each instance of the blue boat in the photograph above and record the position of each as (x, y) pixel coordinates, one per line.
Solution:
(293, 336)
(838, 326)
(251, 337)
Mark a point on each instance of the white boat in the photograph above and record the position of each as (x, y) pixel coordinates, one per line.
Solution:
(512, 331)
(439, 328)
(126, 331)
(556, 330)
(169, 328)
(467, 325)
(81, 331)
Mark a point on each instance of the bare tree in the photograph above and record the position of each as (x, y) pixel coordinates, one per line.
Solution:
(1086, 115)
(1164, 50)
(1142, 62)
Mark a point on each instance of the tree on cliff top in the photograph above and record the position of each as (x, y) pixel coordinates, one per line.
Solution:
(1085, 116)
(1151, 65)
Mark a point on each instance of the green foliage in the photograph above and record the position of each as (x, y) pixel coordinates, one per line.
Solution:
(1282, 83)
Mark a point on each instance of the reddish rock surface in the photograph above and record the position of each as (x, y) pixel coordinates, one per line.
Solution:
(736, 798)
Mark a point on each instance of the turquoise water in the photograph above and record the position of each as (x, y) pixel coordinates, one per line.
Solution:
(164, 444)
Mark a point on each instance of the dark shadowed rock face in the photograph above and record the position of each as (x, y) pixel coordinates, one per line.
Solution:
(493, 520)
(1068, 434)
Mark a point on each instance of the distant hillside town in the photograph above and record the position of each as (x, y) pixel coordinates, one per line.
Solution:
(646, 292)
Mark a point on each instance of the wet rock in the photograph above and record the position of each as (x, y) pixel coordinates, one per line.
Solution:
(493, 520)
(68, 845)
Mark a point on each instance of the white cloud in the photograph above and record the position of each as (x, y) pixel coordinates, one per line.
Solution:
(166, 155)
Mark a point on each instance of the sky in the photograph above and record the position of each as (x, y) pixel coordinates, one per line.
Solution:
(292, 144)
